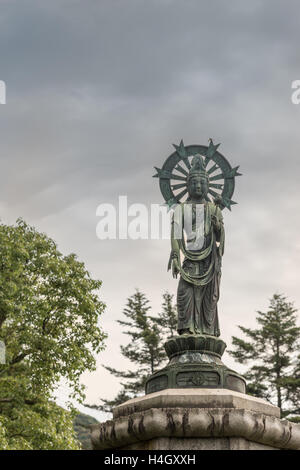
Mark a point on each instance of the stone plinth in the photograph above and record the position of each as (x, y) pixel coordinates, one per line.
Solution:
(196, 419)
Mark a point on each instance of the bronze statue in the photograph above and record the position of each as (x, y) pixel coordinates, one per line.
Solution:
(197, 183)
(201, 222)
(197, 168)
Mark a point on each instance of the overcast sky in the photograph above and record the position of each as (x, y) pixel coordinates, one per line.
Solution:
(97, 91)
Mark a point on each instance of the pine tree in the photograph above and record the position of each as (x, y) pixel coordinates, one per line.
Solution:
(167, 319)
(145, 350)
(109, 405)
(273, 352)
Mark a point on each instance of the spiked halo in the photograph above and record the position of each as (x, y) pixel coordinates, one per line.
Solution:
(180, 165)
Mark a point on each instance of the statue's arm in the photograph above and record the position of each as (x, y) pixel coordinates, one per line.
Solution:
(219, 229)
(174, 260)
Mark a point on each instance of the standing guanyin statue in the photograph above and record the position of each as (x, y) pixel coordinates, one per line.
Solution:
(197, 183)
(200, 221)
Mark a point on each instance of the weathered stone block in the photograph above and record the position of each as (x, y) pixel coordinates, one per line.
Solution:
(193, 419)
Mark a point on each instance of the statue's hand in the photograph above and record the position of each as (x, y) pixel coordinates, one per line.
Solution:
(175, 268)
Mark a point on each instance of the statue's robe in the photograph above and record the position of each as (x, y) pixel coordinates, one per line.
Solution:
(198, 288)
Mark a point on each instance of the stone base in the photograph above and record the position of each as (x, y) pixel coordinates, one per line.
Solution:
(191, 375)
(191, 443)
(195, 362)
(196, 419)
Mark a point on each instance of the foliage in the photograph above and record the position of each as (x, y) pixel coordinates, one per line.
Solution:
(167, 319)
(82, 427)
(49, 310)
(273, 351)
(33, 422)
(145, 349)
(109, 405)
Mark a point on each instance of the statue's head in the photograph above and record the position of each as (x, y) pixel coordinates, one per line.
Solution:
(197, 181)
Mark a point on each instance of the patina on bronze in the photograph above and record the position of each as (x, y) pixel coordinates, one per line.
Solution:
(202, 223)
(205, 188)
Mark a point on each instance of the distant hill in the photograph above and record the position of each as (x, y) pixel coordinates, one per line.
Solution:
(82, 424)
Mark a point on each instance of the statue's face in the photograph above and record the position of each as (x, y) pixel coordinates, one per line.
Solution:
(198, 186)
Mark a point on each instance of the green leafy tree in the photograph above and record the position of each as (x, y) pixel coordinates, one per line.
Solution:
(49, 312)
(33, 423)
(272, 350)
(145, 350)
